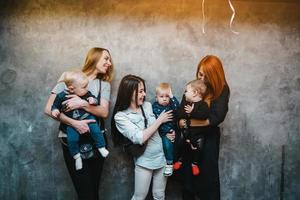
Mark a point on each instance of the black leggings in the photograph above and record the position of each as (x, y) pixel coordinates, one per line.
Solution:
(206, 185)
(86, 181)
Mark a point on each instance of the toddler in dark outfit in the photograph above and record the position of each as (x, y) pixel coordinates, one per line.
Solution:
(193, 106)
(77, 82)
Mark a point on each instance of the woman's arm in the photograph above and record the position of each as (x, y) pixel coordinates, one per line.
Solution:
(80, 126)
(219, 108)
(101, 110)
(162, 118)
(137, 135)
(49, 104)
(76, 102)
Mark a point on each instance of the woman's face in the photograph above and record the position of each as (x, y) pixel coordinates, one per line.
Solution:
(201, 74)
(141, 95)
(104, 63)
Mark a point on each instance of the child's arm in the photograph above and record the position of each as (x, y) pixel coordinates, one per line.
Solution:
(57, 105)
(174, 102)
(189, 108)
(91, 99)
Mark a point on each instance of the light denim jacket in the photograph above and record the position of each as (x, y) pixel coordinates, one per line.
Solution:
(131, 125)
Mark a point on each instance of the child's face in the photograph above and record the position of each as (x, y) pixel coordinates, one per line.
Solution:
(163, 97)
(79, 89)
(189, 93)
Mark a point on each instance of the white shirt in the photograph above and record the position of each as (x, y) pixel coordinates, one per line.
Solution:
(131, 125)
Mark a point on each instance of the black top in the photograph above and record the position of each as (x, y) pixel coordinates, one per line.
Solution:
(200, 110)
(217, 111)
(219, 108)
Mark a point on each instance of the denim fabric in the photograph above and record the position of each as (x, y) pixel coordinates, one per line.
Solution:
(73, 137)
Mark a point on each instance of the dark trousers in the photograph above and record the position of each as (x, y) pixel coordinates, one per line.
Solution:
(86, 181)
(205, 186)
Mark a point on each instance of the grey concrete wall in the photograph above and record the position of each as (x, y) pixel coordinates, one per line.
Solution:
(160, 41)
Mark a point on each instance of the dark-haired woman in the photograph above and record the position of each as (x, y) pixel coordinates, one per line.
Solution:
(207, 185)
(130, 115)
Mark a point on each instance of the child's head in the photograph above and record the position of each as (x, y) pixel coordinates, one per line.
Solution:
(76, 82)
(163, 94)
(195, 89)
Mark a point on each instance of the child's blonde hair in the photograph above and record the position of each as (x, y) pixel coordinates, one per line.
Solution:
(201, 87)
(74, 77)
(162, 87)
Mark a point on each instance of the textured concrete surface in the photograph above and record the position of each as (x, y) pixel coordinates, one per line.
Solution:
(160, 41)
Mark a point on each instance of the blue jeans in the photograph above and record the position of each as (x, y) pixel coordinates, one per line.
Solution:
(73, 136)
(168, 149)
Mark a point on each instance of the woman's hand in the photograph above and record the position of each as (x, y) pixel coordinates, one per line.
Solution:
(74, 102)
(171, 136)
(82, 126)
(165, 116)
(182, 123)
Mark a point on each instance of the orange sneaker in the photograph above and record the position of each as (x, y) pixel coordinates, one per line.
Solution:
(177, 165)
(195, 170)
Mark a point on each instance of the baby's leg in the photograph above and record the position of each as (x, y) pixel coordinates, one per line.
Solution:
(98, 137)
(169, 154)
(73, 140)
(73, 145)
(168, 148)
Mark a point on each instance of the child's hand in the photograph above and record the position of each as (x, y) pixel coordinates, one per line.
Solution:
(92, 101)
(188, 109)
(170, 93)
(55, 113)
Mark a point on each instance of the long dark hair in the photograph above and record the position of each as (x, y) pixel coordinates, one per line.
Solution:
(129, 84)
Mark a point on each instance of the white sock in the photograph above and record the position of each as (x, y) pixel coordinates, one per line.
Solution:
(103, 151)
(78, 161)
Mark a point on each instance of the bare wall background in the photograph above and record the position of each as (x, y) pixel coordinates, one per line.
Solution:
(160, 41)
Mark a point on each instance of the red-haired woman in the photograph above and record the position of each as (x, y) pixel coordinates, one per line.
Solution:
(206, 185)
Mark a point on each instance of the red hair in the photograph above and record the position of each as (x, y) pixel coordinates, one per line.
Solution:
(214, 75)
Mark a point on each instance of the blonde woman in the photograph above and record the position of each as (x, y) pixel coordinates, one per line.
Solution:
(99, 69)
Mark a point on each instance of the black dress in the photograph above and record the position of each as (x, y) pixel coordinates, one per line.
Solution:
(206, 186)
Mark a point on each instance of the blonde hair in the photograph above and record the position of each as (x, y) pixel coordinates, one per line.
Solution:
(201, 88)
(91, 60)
(162, 87)
(74, 77)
